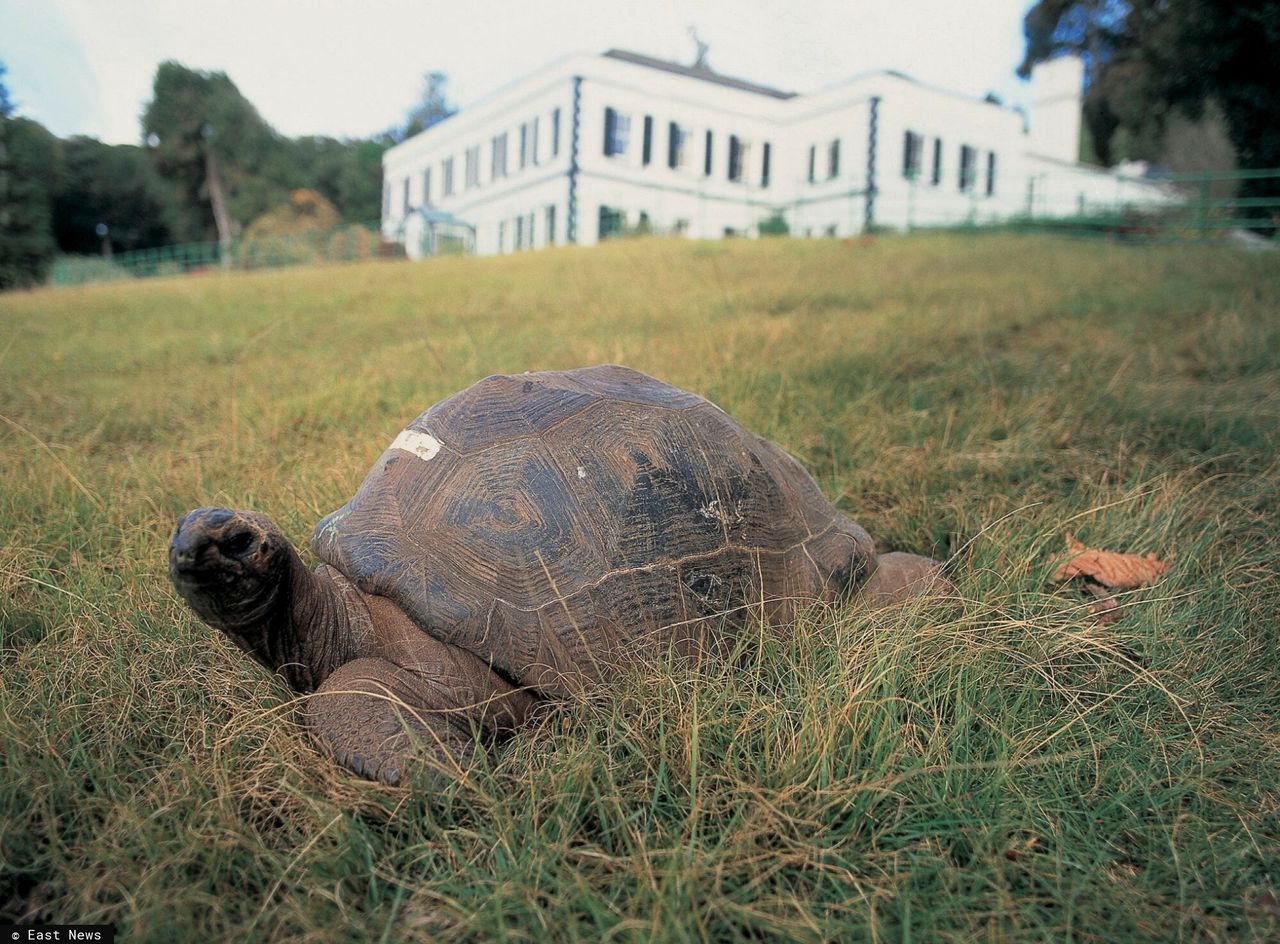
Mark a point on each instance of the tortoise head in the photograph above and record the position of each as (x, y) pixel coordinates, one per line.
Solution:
(232, 567)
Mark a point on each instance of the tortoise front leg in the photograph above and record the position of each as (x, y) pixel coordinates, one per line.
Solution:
(900, 577)
(381, 720)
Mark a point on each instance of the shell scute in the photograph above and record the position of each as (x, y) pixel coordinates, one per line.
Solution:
(501, 409)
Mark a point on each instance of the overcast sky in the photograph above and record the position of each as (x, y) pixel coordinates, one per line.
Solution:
(352, 69)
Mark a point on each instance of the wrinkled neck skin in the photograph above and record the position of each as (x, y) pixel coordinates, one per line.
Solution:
(316, 623)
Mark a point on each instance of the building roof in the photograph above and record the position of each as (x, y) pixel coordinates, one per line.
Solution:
(696, 72)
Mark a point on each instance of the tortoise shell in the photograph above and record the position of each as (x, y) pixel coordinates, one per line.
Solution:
(553, 522)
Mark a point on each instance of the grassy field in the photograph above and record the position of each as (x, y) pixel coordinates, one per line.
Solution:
(999, 766)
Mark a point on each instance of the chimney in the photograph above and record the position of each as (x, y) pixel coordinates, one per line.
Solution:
(1057, 87)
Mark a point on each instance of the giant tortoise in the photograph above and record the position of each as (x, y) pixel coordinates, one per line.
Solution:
(516, 541)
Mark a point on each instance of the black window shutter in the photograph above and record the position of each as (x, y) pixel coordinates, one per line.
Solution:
(610, 122)
(646, 152)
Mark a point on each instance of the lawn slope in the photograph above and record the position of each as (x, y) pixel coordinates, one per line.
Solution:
(999, 766)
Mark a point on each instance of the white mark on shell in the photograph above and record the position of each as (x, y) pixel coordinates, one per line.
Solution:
(582, 473)
(423, 445)
(714, 511)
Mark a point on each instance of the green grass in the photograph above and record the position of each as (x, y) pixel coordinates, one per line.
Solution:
(995, 767)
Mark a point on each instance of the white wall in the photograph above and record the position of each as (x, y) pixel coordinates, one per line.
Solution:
(1056, 189)
(686, 198)
(947, 125)
(494, 205)
(1056, 88)
(828, 205)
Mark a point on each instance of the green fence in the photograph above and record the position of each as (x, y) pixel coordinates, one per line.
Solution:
(345, 244)
(1240, 206)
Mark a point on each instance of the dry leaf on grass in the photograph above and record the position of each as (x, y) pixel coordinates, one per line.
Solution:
(1109, 568)
(1104, 571)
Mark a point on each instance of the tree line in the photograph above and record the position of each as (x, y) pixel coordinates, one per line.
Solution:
(209, 168)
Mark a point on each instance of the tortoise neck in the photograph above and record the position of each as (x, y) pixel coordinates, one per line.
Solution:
(320, 625)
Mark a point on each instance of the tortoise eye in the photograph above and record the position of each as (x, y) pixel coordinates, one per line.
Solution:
(238, 543)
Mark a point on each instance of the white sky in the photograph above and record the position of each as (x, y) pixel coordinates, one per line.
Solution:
(353, 69)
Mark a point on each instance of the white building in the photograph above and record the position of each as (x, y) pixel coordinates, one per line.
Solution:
(596, 145)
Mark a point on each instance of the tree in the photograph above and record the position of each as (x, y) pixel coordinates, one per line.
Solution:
(306, 213)
(30, 172)
(774, 225)
(1148, 60)
(211, 143)
(361, 200)
(433, 106)
(117, 186)
(348, 173)
(6, 104)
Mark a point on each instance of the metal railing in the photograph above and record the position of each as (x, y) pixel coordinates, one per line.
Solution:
(1242, 205)
(345, 244)
(1212, 206)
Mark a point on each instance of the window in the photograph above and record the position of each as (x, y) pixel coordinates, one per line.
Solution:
(735, 157)
(528, 229)
(617, 130)
(646, 146)
(499, 168)
(446, 177)
(533, 144)
(677, 139)
(706, 168)
(426, 187)
(936, 178)
(912, 152)
(473, 167)
(555, 131)
(610, 222)
(813, 160)
(502, 236)
(991, 173)
(405, 199)
(519, 233)
(764, 169)
(968, 167)
(551, 225)
(833, 159)
(524, 154)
